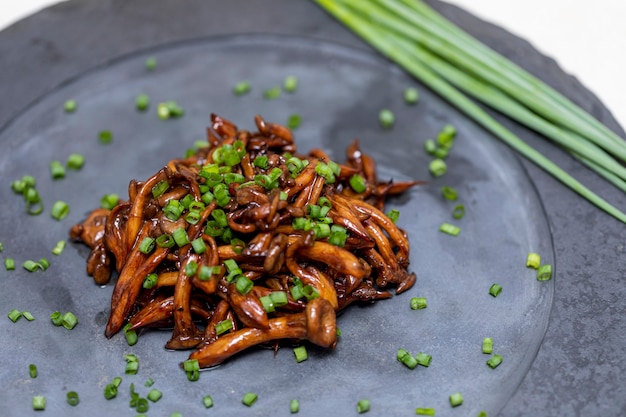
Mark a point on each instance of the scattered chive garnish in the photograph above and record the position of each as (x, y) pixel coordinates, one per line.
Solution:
(363, 406)
(249, 398)
(386, 118)
(456, 399)
(495, 290)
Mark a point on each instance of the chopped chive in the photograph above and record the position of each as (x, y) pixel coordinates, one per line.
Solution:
(223, 326)
(43, 264)
(207, 401)
(544, 273)
(425, 411)
(147, 245)
(358, 183)
(110, 391)
(1, 247)
(130, 335)
(39, 403)
(533, 260)
(450, 229)
(418, 303)
(142, 102)
(456, 399)
(150, 281)
(294, 121)
(242, 88)
(69, 320)
(290, 84)
(386, 118)
(105, 137)
(9, 264)
(149, 382)
(59, 247)
(70, 106)
(494, 361)
(423, 359)
(294, 406)
(75, 161)
(180, 236)
(72, 398)
(449, 193)
(32, 370)
(394, 215)
(191, 268)
(482, 414)
(363, 406)
(244, 284)
(487, 345)
(165, 241)
(300, 353)
(28, 316)
(150, 63)
(458, 211)
(57, 170)
(271, 93)
(15, 315)
(56, 318)
(495, 290)
(411, 95)
(249, 398)
(60, 209)
(405, 357)
(437, 167)
(154, 395)
(30, 265)
(159, 188)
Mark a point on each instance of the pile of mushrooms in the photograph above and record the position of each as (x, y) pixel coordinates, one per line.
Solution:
(269, 235)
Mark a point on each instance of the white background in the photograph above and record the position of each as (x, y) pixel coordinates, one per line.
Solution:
(587, 39)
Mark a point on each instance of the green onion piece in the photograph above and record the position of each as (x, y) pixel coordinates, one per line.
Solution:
(430, 147)
(154, 395)
(494, 361)
(449, 193)
(105, 137)
(249, 398)
(290, 84)
(72, 398)
(425, 411)
(244, 284)
(233, 178)
(338, 235)
(142, 405)
(69, 320)
(32, 370)
(533, 260)
(9, 264)
(131, 334)
(75, 161)
(456, 399)
(1, 247)
(207, 271)
(70, 106)
(15, 315)
(28, 316)
(393, 215)
(279, 298)
(60, 209)
(437, 167)
(173, 209)
(482, 414)
(449, 229)
(191, 268)
(363, 406)
(187, 200)
(116, 381)
(57, 170)
(163, 111)
(261, 161)
(192, 369)
(401, 354)
(180, 236)
(386, 118)
(150, 63)
(142, 102)
(198, 245)
(408, 361)
(325, 171)
(43, 264)
(310, 292)
(31, 195)
(294, 406)
(271, 93)
(423, 359)
(109, 201)
(147, 245)
(30, 265)
(165, 241)
(231, 265)
(358, 183)
(176, 414)
(411, 95)
(294, 121)
(159, 188)
(495, 290)
(446, 136)
(268, 305)
(149, 382)
(207, 401)
(39, 403)
(242, 88)
(110, 391)
(544, 273)
(458, 211)
(223, 326)
(193, 217)
(300, 353)
(487, 345)
(56, 318)
(59, 247)
(418, 303)
(296, 292)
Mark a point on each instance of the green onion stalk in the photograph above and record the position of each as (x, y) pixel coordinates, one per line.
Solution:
(453, 64)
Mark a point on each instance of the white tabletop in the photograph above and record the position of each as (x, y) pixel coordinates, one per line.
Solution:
(586, 39)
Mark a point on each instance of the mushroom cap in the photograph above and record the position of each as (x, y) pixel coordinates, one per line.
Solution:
(321, 323)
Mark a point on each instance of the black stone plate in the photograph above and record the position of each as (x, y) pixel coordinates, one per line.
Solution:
(96, 56)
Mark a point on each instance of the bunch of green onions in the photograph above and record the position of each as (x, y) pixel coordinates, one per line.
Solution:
(452, 63)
